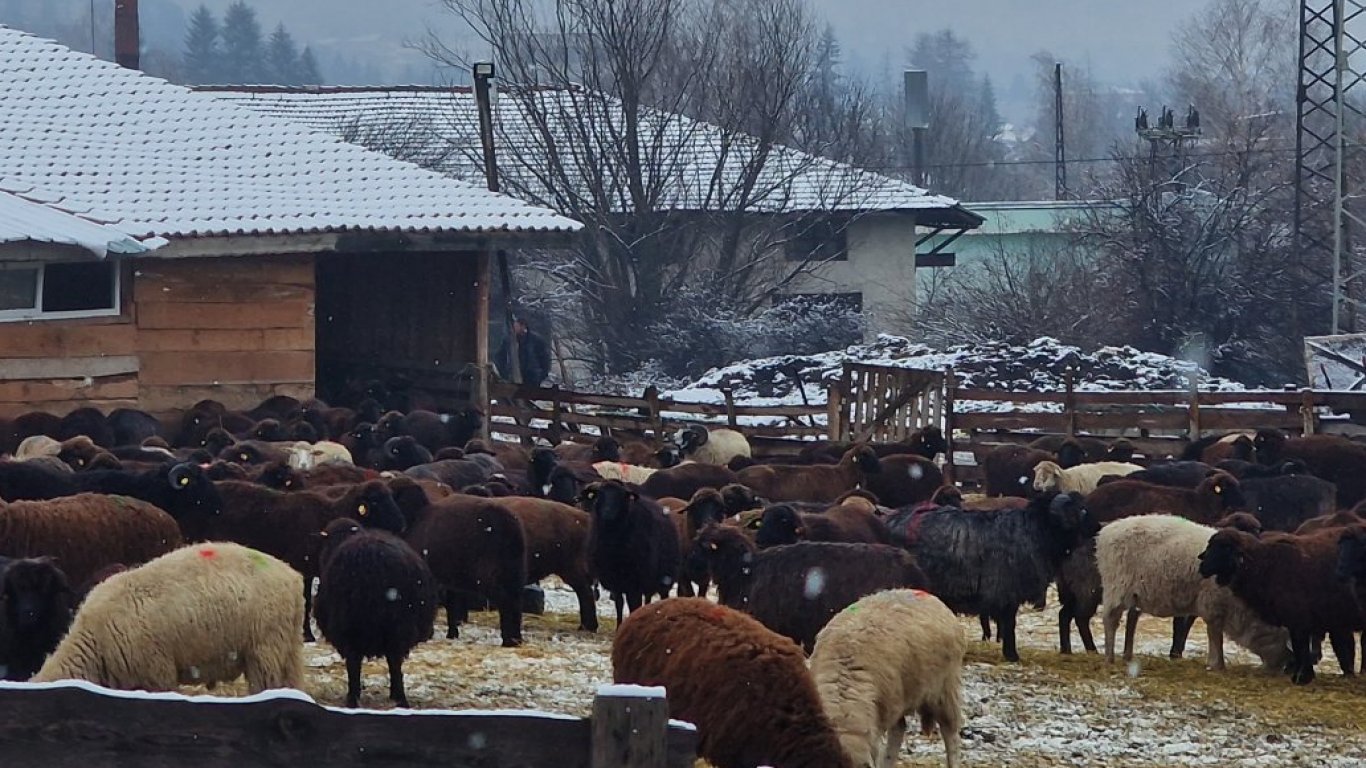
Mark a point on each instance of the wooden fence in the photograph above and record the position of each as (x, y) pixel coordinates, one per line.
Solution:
(75, 725)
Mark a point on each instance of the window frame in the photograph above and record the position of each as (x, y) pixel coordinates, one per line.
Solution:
(799, 232)
(37, 313)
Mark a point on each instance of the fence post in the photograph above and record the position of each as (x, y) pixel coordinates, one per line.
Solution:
(656, 417)
(729, 394)
(834, 408)
(630, 727)
(554, 431)
(1069, 401)
(950, 385)
(1307, 411)
(1193, 409)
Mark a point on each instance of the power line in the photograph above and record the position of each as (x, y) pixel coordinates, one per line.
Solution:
(1111, 159)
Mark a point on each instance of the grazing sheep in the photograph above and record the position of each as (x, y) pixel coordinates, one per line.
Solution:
(904, 479)
(711, 446)
(284, 524)
(891, 655)
(1290, 581)
(795, 589)
(376, 598)
(685, 480)
(557, 543)
(36, 606)
(820, 482)
(1216, 496)
(990, 563)
(203, 614)
(632, 544)
(746, 689)
(1151, 564)
(474, 547)
(1048, 476)
(86, 532)
(851, 523)
(1331, 457)
(1009, 469)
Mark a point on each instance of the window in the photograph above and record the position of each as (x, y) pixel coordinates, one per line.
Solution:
(32, 291)
(822, 240)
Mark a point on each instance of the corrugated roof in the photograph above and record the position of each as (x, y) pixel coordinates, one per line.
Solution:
(24, 221)
(566, 136)
(114, 145)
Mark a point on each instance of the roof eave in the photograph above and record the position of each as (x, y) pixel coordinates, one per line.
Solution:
(367, 241)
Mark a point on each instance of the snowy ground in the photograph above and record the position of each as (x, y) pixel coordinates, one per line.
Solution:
(1049, 710)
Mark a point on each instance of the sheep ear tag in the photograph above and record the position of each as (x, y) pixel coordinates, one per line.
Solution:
(362, 510)
(184, 481)
(546, 489)
(1218, 489)
(712, 545)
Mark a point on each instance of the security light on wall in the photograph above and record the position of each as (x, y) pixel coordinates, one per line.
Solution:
(483, 69)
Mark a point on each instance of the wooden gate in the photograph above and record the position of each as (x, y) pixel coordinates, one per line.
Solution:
(885, 405)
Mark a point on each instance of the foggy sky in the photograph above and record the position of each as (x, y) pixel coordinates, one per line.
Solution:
(1123, 41)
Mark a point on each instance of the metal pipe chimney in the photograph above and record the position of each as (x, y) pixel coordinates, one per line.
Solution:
(127, 40)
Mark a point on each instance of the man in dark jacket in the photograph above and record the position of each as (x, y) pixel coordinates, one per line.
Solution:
(533, 355)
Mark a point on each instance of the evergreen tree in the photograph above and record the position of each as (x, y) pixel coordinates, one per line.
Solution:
(203, 63)
(308, 69)
(986, 108)
(243, 54)
(282, 58)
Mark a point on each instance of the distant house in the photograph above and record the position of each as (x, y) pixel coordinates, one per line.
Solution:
(856, 230)
(159, 246)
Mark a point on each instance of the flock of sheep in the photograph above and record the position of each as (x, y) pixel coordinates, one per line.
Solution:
(143, 555)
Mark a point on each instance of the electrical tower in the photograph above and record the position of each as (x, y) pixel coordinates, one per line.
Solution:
(1328, 152)
(1167, 143)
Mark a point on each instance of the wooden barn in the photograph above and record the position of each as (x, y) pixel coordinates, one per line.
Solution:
(160, 246)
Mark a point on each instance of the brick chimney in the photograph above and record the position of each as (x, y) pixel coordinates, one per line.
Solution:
(126, 35)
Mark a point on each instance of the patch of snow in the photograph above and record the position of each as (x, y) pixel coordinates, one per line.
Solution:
(623, 690)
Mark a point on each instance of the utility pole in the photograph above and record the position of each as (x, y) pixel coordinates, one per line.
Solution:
(1060, 140)
(916, 88)
(483, 75)
(1167, 142)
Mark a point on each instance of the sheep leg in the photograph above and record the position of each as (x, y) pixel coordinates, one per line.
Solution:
(353, 681)
(1302, 673)
(685, 588)
(1130, 633)
(1181, 629)
(1084, 629)
(1215, 655)
(1066, 615)
(396, 692)
(985, 621)
(588, 609)
(618, 602)
(308, 610)
(895, 736)
(634, 600)
(1005, 630)
(704, 583)
(455, 612)
(1344, 647)
(1111, 622)
(510, 619)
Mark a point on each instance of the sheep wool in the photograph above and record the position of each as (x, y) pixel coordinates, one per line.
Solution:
(205, 613)
(630, 473)
(1083, 478)
(889, 656)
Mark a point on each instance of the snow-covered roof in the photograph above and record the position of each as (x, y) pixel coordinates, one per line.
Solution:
(24, 221)
(565, 134)
(118, 147)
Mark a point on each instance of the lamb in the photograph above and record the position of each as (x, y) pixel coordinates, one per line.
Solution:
(206, 613)
(989, 563)
(889, 656)
(472, 545)
(685, 480)
(711, 446)
(283, 524)
(557, 543)
(850, 523)
(794, 590)
(1009, 469)
(821, 482)
(87, 532)
(904, 479)
(746, 688)
(36, 606)
(1216, 496)
(376, 598)
(1289, 581)
(1048, 476)
(1151, 564)
(1331, 457)
(632, 544)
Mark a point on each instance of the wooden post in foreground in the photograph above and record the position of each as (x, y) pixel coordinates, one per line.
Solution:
(630, 727)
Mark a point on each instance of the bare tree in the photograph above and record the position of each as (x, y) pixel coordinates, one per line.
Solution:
(591, 125)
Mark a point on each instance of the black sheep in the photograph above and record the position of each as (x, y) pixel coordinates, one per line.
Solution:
(1241, 469)
(404, 452)
(457, 473)
(632, 544)
(1175, 474)
(990, 563)
(1331, 457)
(795, 589)
(36, 607)
(1283, 502)
(782, 524)
(88, 422)
(278, 407)
(376, 598)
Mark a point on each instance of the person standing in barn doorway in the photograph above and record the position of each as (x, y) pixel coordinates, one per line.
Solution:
(533, 354)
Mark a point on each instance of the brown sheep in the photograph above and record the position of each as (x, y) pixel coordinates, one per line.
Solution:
(87, 532)
(905, 479)
(1009, 469)
(819, 482)
(746, 688)
(557, 543)
(1334, 458)
(1217, 495)
(1343, 518)
(685, 480)
(852, 522)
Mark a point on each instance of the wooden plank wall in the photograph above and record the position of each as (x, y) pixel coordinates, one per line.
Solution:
(235, 329)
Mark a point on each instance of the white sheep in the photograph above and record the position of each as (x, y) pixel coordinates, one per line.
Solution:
(888, 656)
(714, 446)
(627, 473)
(1151, 564)
(1082, 478)
(305, 455)
(37, 446)
(201, 614)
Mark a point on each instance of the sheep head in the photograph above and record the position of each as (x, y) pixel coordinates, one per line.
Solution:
(404, 452)
(1241, 521)
(691, 437)
(1221, 491)
(1224, 554)
(1268, 446)
(781, 524)
(269, 430)
(739, 498)
(706, 506)
(193, 490)
(1070, 454)
(606, 449)
(1120, 450)
(1069, 513)
(336, 533)
(669, 456)
(1046, 475)
(608, 501)
(929, 442)
(863, 458)
(280, 476)
(410, 498)
(947, 496)
(78, 452)
(35, 589)
(217, 440)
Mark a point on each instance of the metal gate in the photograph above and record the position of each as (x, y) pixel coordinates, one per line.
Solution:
(886, 405)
